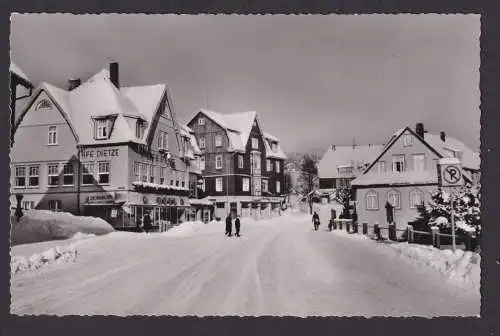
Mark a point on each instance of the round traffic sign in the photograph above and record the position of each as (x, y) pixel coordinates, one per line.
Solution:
(452, 174)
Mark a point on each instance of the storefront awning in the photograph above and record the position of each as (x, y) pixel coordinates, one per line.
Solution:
(117, 203)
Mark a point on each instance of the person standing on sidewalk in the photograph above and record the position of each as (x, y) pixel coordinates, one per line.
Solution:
(315, 220)
(229, 226)
(147, 222)
(237, 225)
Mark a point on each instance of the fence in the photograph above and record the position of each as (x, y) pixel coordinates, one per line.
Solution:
(376, 230)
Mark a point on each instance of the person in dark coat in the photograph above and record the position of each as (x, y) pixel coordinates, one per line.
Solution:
(147, 222)
(237, 226)
(315, 220)
(229, 226)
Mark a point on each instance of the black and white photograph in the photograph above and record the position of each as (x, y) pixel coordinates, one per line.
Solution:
(245, 165)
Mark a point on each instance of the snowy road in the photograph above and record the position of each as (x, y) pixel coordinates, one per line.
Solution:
(278, 268)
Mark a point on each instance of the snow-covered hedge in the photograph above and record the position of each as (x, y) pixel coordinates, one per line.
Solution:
(43, 225)
(58, 255)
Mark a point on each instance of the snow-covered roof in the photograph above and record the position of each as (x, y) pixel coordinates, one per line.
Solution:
(98, 97)
(238, 127)
(470, 159)
(346, 156)
(15, 69)
(395, 178)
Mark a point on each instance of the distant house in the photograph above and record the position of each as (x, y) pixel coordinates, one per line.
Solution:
(242, 166)
(405, 174)
(342, 164)
(21, 89)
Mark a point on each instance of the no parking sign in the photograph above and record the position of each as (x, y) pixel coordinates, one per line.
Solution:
(450, 173)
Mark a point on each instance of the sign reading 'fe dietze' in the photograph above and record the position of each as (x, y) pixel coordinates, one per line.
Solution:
(103, 153)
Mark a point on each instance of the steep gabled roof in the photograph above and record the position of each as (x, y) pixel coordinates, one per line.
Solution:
(98, 97)
(336, 156)
(16, 70)
(238, 127)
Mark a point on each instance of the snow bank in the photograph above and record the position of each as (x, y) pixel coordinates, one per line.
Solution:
(461, 268)
(185, 229)
(58, 255)
(43, 225)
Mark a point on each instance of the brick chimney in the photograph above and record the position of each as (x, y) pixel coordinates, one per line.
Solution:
(419, 129)
(73, 83)
(114, 74)
(442, 135)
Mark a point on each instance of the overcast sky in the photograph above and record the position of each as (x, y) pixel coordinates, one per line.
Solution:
(314, 80)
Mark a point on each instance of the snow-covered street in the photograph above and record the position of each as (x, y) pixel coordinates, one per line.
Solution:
(277, 267)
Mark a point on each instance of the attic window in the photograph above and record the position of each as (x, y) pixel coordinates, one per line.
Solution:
(44, 104)
(274, 147)
(407, 140)
(102, 128)
(139, 129)
(201, 121)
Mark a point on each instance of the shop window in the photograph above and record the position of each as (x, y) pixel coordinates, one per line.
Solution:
(88, 173)
(34, 176)
(68, 174)
(28, 205)
(20, 177)
(104, 172)
(372, 200)
(53, 177)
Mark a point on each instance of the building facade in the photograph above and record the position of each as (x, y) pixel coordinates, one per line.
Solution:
(242, 166)
(21, 89)
(102, 150)
(405, 175)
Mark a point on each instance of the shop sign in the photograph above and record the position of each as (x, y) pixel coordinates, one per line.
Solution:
(101, 153)
(101, 198)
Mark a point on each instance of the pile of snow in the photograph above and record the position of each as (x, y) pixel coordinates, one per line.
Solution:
(43, 225)
(461, 268)
(185, 229)
(58, 255)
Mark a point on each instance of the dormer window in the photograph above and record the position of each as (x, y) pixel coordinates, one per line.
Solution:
(102, 131)
(44, 104)
(139, 129)
(274, 147)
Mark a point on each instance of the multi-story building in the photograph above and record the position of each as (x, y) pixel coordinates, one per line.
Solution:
(242, 166)
(21, 89)
(405, 174)
(104, 150)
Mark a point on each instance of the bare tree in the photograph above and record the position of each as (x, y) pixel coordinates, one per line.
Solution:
(308, 178)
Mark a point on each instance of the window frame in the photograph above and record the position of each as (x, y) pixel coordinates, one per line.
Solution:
(413, 192)
(17, 176)
(218, 140)
(278, 166)
(245, 181)
(423, 161)
(52, 174)
(101, 124)
(30, 176)
(201, 143)
(265, 183)
(162, 140)
(278, 187)
(255, 143)
(48, 103)
(52, 136)
(407, 140)
(241, 163)
(217, 166)
(85, 172)
(140, 127)
(65, 174)
(269, 165)
(394, 162)
(217, 185)
(391, 192)
(201, 121)
(99, 172)
(376, 205)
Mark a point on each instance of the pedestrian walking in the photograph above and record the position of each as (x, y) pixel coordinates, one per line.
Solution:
(315, 220)
(147, 222)
(229, 226)
(237, 226)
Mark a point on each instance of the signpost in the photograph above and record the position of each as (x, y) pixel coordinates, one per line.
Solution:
(450, 176)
